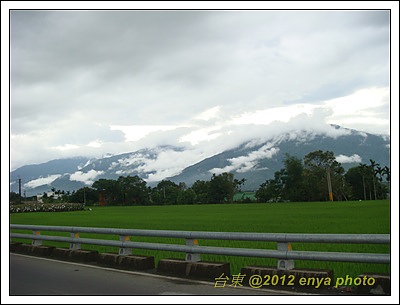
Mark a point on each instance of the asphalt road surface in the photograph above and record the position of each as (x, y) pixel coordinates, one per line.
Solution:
(41, 276)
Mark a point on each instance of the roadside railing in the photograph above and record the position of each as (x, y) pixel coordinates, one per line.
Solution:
(285, 255)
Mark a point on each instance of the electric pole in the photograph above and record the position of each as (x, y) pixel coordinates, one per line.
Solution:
(19, 189)
(84, 196)
(328, 178)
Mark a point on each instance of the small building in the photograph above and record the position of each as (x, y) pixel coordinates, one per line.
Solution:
(48, 195)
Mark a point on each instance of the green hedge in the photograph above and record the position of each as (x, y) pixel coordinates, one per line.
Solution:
(41, 207)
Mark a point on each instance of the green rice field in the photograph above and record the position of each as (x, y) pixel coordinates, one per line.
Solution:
(309, 217)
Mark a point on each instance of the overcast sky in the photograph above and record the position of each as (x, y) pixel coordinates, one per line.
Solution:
(88, 83)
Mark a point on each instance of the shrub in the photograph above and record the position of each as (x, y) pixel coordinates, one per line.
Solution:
(41, 207)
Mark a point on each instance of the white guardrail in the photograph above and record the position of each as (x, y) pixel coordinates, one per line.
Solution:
(284, 253)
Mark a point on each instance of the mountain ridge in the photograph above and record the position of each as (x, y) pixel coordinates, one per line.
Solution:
(256, 161)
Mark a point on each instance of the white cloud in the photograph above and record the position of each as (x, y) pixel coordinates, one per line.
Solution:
(137, 132)
(86, 164)
(202, 135)
(280, 114)
(78, 88)
(169, 163)
(366, 109)
(95, 144)
(66, 147)
(208, 114)
(245, 163)
(41, 181)
(87, 178)
(126, 172)
(349, 159)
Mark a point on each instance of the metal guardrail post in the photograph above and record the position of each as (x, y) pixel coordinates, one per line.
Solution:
(74, 246)
(285, 264)
(192, 257)
(36, 242)
(124, 251)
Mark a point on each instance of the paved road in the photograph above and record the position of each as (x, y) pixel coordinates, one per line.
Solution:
(41, 276)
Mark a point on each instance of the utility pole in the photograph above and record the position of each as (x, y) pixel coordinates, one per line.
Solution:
(164, 193)
(328, 178)
(19, 189)
(84, 196)
(365, 196)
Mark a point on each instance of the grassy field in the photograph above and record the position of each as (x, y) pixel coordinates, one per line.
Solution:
(311, 217)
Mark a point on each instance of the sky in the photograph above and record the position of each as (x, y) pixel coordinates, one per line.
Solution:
(99, 82)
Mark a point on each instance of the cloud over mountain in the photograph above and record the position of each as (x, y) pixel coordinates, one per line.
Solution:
(96, 82)
(255, 160)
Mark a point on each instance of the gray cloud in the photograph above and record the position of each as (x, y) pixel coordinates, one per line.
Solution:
(74, 74)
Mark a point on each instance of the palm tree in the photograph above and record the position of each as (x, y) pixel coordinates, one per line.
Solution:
(386, 172)
(373, 172)
(363, 171)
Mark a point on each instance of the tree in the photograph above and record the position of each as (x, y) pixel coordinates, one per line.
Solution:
(14, 198)
(201, 189)
(86, 194)
(222, 187)
(186, 197)
(287, 184)
(366, 181)
(108, 190)
(365, 174)
(386, 172)
(323, 176)
(272, 189)
(372, 166)
(133, 190)
(238, 184)
(292, 179)
(168, 192)
(355, 177)
(380, 188)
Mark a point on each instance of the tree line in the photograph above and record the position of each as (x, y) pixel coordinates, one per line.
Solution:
(312, 178)
(316, 177)
(132, 190)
